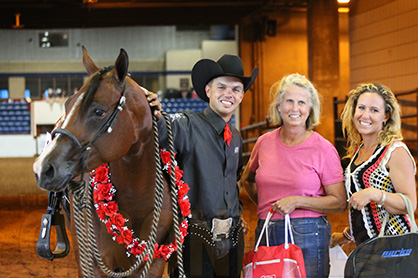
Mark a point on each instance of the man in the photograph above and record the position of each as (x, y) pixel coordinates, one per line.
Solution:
(209, 150)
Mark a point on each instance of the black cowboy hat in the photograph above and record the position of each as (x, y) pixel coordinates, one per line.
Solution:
(228, 65)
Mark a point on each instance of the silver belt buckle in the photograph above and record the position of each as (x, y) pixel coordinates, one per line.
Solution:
(221, 228)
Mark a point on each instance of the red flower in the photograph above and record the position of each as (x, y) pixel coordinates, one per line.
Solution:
(118, 220)
(183, 189)
(95, 197)
(166, 157)
(137, 248)
(185, 207)
(109, 225)
(101, 174)
(119, 239)
(157, 254)
(163, 251)
(100, 212)
(103, 191)
(126, 235)
(178, 173)
(110, 208)
(183, 230)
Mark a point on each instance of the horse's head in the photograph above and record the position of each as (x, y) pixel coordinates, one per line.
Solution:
(104, 122)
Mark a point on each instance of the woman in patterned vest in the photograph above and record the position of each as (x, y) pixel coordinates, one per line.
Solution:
(381, 165)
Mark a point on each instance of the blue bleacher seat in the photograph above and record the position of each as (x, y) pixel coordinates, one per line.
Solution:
(14, 117)
(172, 105)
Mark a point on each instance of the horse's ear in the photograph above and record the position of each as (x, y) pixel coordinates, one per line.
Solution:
(121, 65)
(88, 62)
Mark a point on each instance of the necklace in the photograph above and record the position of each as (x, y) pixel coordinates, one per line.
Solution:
(108, 211)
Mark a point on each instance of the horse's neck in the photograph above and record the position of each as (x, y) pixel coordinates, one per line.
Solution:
(137, 168)
(134, 179)
(137, 165)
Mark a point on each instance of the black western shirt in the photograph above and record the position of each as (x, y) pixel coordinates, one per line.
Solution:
(211, 168)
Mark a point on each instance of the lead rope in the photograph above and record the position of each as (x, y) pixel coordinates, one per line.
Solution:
(174, 199)
(87, 244)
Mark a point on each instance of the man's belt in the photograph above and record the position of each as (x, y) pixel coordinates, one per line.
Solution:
(221, 228)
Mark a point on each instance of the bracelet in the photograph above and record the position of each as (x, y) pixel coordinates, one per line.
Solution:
(383, 200)
(347, 235)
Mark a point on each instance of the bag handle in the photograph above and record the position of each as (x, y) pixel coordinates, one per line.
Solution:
(410, 211)
(265, 230)
(287, 228)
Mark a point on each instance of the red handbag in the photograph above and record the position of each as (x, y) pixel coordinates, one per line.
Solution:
(285, 260)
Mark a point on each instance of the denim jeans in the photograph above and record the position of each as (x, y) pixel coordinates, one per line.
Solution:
(312, 235)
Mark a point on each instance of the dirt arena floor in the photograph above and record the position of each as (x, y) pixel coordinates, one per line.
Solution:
(20, 219)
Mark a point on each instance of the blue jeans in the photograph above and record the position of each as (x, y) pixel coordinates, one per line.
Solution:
(312, 235)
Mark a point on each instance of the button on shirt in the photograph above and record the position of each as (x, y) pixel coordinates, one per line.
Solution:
(211, 168)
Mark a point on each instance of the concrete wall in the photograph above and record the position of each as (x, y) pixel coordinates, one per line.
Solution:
(383, 43)
(184, 59)
(146, 46)
(143, 43)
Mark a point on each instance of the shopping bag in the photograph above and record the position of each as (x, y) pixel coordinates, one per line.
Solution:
(337, 260)
(285, 260)
(386, 256)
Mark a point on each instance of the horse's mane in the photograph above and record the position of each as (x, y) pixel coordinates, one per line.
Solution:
(91, 90)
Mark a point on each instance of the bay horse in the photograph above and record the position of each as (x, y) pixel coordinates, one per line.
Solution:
(109, 121)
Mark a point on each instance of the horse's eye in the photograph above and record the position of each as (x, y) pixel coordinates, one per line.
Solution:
(99, 112)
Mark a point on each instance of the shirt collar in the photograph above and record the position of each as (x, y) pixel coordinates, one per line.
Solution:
(216, 121)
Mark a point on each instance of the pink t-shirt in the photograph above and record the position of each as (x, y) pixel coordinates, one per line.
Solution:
(301, 170)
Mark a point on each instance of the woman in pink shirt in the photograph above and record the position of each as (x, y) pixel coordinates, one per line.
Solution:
(297, 172)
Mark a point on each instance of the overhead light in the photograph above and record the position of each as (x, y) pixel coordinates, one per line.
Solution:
(17, 19)
(343, 1)
(44, 40)
(343, 10)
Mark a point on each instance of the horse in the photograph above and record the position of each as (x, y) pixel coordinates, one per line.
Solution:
(109, 121)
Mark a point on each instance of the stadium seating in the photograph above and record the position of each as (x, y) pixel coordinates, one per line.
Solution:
(172, 105)
(14, 117)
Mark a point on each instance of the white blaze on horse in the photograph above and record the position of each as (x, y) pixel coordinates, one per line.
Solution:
(109, 121)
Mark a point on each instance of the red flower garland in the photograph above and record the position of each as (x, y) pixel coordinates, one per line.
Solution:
(107, 210)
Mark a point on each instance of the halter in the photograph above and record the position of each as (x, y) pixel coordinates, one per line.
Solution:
(107, 127)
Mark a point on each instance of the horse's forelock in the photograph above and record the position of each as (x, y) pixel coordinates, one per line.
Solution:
(92, 88)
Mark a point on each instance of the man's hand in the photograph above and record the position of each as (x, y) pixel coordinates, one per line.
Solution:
(154, 103)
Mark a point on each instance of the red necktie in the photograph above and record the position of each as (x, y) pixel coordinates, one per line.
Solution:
(227, 134)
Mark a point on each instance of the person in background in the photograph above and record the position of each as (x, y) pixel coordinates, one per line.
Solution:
(296, 171)
(208, 149)
(380, 165)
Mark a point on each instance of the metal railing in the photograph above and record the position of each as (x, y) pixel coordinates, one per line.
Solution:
(250, 135)
(407, 100)
(409, 106)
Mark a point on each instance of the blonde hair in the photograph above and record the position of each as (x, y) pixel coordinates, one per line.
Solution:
(279, 88)
(390, 131)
